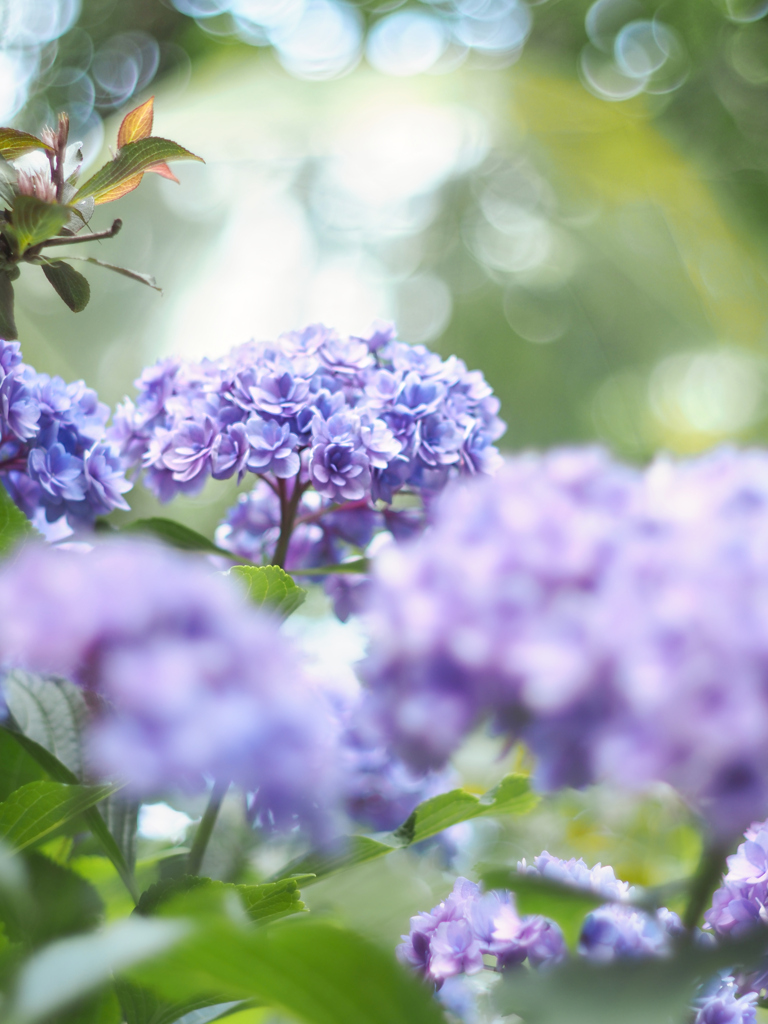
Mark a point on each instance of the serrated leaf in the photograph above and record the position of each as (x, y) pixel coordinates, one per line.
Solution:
(93, 818)
(134, 275)
(35, 221)
(68, 283)
(191, 894)
(513, 795)
(175, 534)
(14, 525)
(52, 712)
(137, 123)
(306, 968)
(71, 968)
(14, 143)
(132, 159)
(270, 587)
(8, 329)
(39, 808)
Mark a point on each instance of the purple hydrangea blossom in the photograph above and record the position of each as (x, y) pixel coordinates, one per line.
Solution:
(54, 461)
(741, 902)
(719, 1002)
(354, 420)
(190, 681)
(450, 940)
(452, 937)
(612, 619)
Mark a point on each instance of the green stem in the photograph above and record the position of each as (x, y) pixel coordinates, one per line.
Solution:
(205, 828)
(704, 883)
(288, 509)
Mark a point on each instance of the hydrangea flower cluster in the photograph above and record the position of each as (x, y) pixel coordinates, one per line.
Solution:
(54, 460)
(189, 680)
(452, 938)
(614, 620)
(355, 420)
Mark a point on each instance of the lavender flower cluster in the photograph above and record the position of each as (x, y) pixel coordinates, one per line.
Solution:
(188, 680)
(614, 620)
(452, 938)
(54, 461)
(354, 419)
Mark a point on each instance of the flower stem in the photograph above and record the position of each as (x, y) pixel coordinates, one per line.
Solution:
(205, 828)
(704, 882)
(288, 508)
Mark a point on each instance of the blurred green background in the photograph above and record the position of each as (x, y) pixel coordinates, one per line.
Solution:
(571, 196)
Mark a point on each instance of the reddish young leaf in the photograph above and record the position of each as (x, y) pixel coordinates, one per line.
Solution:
(164, 171)
(137, 123)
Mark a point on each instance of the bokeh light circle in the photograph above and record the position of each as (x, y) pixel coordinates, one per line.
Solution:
(406, 43)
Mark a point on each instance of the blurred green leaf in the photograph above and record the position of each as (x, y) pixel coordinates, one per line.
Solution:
(133, 158)
(69, 285)
(141, 1006)
(94, 820)
(33, 222)
(17, 767)
(8, 328)
(71, 968)
(63, 902)
(565, 904)
(14, 143)
(513, 795)
(191, 893)
(38, 808)
(271, 587)
(175, 534)
(52, 712)
(307, 968)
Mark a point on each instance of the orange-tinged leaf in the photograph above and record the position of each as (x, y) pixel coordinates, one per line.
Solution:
(133, 158)
(137, 123)
(164, 171)
(120, 190)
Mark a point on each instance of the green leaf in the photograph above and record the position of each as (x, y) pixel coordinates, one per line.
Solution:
(14, 143)
(14, 525)
(17, 767)
(271, 587)
(52, 712)
(565, 904)
(93, 819)
(64, 903)
(37, 809)
(513, 795)
(346, 853)
(134, 275)
(71, 968)
(302, 966)
(133, 158)
(175, 534)
(34, 221)
(191, 893)
(143, 1007)
(8, 328)
(68, 283)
